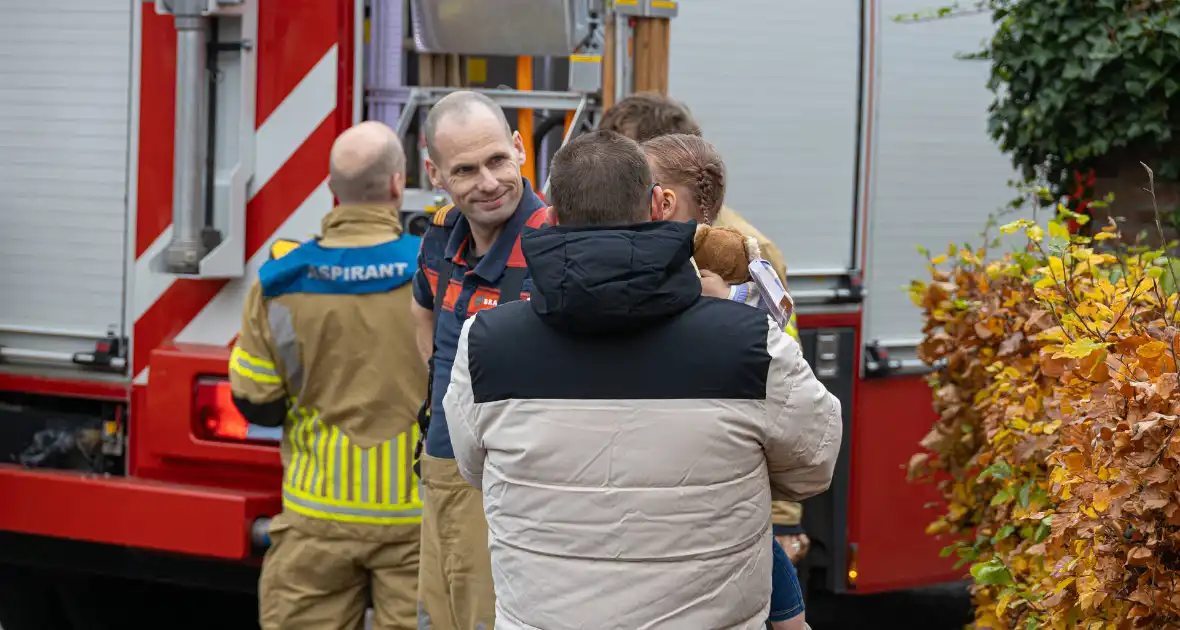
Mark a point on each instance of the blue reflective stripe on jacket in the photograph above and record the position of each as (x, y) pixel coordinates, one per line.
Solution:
(313, 268)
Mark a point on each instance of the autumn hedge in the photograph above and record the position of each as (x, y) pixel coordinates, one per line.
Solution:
(1057, 389)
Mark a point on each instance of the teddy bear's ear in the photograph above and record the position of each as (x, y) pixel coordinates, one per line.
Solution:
(698, 239)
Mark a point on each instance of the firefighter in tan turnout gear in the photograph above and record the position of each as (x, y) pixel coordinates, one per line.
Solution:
(327, 351)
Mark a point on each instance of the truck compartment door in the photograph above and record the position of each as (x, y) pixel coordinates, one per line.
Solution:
(774, 85)
(65, 86)
(936, 173)
(935, 176)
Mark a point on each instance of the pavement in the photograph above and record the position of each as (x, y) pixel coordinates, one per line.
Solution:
(943, 607)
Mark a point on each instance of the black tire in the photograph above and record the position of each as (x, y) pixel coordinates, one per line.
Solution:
(29, 600)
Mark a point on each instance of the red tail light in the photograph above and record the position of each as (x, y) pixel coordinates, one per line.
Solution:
(218, 418)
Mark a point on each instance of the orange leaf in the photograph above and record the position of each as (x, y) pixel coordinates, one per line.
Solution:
(1139, 556)
(1151, 350)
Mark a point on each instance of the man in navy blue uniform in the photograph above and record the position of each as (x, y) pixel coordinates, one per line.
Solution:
(470, 260)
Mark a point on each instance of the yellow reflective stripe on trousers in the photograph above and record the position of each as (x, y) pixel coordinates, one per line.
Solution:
(253, 368)
(330, 478)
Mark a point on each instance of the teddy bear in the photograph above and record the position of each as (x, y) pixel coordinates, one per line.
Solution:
(726, 252)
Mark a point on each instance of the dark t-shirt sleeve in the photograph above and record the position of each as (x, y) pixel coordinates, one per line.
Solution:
(422, 290)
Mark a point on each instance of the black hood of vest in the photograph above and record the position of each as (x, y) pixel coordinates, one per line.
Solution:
(595, 280)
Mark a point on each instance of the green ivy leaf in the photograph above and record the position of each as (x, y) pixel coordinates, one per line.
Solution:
(1042, 533)
(1004, 532)
(1003, 496)
(991, 573)
(1075, 81)
(998, 470)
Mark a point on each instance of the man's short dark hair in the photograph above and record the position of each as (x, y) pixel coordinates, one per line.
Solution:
(600, 178)
(646, 115)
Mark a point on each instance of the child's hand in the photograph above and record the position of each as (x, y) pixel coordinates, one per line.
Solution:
(796, 546)
(713, 286)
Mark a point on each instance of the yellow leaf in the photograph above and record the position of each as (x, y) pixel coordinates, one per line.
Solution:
(1058, 230)
(1002, 605)
(938, 260)
(1102, 236)
(1101, 500)
(1063, 584)
(1035, 234)
(1019, 424)
(1012, 227)
(1045, 283)
(1154, 273)
(1056, 267)
(1089, 511)
(1055, 333)
(937, 527)
(1080, 349)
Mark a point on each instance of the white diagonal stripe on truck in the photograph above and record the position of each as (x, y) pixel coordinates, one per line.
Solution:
(279, 137)
(221, 318)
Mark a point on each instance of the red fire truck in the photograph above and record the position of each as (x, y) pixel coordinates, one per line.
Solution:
(150, 151)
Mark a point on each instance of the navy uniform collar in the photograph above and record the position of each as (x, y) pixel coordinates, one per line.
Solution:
(493, 263)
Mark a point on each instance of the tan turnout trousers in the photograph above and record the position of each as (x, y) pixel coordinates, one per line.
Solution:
(321, 582)
(455, 580)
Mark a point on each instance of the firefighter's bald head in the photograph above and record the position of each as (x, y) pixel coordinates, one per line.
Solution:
(368, 165)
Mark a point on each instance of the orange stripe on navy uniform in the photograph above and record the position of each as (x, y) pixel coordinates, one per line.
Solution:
(451, 296)
(536, 221)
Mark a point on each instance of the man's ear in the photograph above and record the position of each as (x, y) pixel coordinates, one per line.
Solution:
(550, 216)
(434, 172)
(397, 188)
(518, 144)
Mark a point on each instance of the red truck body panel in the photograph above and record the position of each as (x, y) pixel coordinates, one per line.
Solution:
(133, 512)
(888, 515)
(189, 495)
